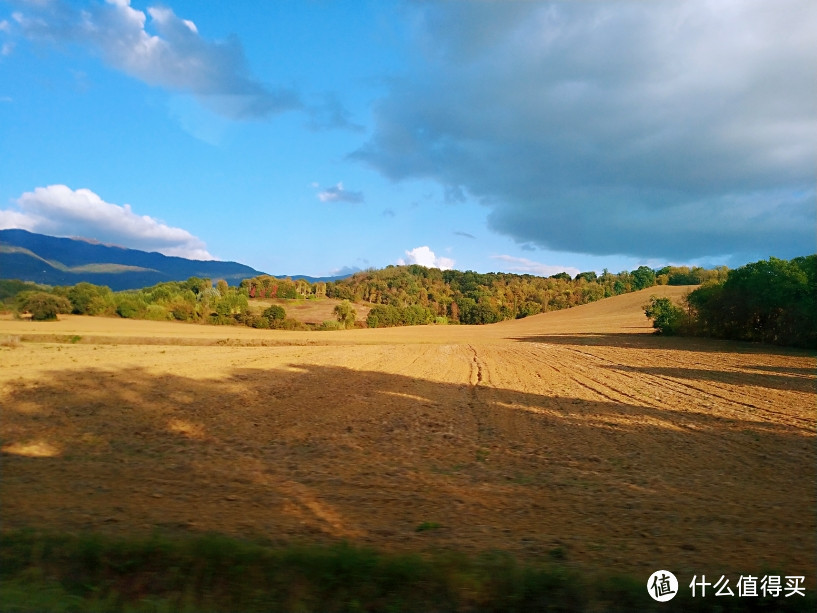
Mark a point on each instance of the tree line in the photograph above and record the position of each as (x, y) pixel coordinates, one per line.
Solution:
(770, 301)
(398, 295)
(194, 300)
(411, 295)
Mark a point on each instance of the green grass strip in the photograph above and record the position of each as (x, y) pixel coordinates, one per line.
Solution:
(89, 572)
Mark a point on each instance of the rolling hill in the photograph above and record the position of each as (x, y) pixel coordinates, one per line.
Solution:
(66, 261)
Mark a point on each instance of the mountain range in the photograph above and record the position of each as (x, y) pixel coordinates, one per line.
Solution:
(50, 260)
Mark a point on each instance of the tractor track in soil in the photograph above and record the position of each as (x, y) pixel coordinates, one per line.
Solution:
(575, 432)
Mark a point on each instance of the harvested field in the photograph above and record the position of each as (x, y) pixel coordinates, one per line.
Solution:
(575, 436)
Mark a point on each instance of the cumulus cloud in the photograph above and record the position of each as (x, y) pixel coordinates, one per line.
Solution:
(424, 256)
(337, 193)
(669, 129)
(526, 266)
(60, 211)
(162, 50)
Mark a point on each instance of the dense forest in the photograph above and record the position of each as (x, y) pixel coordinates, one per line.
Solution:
(396, 295)
(771, 301)
(407, 295)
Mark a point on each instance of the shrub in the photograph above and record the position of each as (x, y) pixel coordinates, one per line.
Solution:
(667, 318)
(257, 321)
(43, 306)
(346, 314)
(156, 312)
(275, 313)
(289, 324)
(181, 310)
(130, 306)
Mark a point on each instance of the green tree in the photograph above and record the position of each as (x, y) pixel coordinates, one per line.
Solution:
(667, 318)
(345, 314)
(771, 301)
(587, 276)
(383, 316)
(90, 299)
(642, 278)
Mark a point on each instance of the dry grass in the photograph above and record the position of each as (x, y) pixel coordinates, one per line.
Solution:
(575, 432)
(10, 341)
(309, 311)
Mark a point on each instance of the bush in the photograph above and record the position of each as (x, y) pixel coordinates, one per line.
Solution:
(156, 312)
(346, 314)
(130, 306)
(289, 324)
(182, 310)
(667, 318)
(275, 313)
(43, 306)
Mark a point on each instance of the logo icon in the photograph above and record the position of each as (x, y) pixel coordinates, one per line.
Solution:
(662, 585)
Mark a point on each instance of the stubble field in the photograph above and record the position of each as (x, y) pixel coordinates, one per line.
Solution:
(574, 436)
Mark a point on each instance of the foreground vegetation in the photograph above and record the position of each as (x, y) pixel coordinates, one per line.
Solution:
(215, 573)
(772, 301)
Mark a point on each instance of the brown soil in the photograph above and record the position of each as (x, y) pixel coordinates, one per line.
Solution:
(574, 434)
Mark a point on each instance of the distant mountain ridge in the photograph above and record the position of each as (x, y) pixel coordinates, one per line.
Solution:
(66, 261)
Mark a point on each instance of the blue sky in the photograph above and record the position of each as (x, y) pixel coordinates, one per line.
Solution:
(317, 137)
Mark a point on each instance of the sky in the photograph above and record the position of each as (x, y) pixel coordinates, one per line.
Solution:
(317, 138)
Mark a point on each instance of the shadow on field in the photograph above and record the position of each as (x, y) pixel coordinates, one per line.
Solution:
(788, 382)
(315, 452)
(656, 341)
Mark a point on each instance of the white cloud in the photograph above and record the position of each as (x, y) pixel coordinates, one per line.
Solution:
(526, 266)
(424, 256)
(163, 51)
(60, 211)
(337, 193)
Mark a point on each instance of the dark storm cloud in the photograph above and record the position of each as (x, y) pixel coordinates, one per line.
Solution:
(661, 129)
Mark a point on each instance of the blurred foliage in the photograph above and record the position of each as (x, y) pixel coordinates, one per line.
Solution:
(91, 572)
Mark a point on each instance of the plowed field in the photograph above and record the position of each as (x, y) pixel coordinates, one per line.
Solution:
(576, 436)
